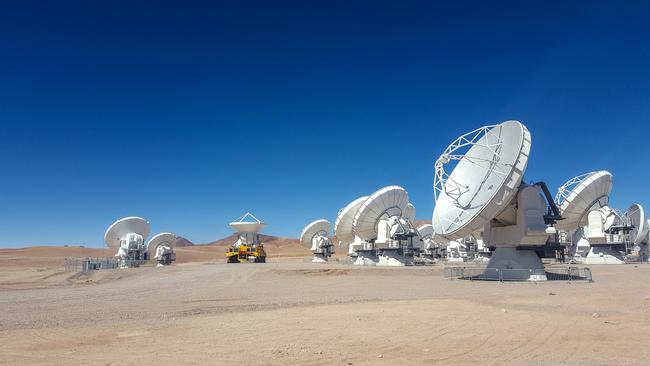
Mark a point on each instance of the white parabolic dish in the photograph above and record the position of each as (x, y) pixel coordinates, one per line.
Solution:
(484, 181)
(410, 213)
(580, 195)
(426, 231)
(343, 224)
(318, 227)
(636, 215)
(247, 227)
(242, 226)
(127, 225)
(160, 239)
(386, 202)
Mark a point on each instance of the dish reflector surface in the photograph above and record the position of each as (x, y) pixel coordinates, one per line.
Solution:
(318, 227)
(410, 213)
(127, 225)
(580, 195)
(483, 182)
(254, 225)
(343, 224)
(386, 202)
(158, 240)
(639, 233)
(426, 231)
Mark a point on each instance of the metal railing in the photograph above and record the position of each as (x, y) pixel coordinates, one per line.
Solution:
(88, 264)
(475, 273)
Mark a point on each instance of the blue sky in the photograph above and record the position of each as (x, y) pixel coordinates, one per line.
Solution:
(192, 113)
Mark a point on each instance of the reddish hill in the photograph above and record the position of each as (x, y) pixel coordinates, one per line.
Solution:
(47, 256)
(275, 247)
(186, 251)
(183, 242)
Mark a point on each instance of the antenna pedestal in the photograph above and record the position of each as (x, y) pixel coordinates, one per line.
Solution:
(515, 265)
(604, 254)
(528, 229)
(366, 258)
(393, 258)
(319, 258)
(579, 247)
(165, 256)
(363, 252)
(456, 251)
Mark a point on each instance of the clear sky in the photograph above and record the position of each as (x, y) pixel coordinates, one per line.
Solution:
(190, 113)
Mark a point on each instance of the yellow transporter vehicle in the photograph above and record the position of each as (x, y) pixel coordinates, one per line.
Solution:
(248, 247)
(246, 253)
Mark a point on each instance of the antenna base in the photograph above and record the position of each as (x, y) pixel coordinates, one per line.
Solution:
(393, 258)
(319, 258)
(366, 258)
(515, 265)
(604, 255)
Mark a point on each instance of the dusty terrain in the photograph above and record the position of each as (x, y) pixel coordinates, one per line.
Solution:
(291, 311)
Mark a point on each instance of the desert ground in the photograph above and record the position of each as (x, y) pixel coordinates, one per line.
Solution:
(291, 311)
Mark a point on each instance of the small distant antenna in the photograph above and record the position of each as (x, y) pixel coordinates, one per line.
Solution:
(248, 246)
(639, 223)
(161, 248)
(581, 195)
(127, 236)
(316, 237)
(343, 225)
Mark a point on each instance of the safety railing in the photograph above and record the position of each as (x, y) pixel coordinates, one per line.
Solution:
(88, 264)
(475, 273)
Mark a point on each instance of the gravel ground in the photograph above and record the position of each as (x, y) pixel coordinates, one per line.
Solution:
(298, 312)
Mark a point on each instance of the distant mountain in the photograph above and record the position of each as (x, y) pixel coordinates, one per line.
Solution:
(268, 240)
(183, 242)
(274, 245)
(228, 240)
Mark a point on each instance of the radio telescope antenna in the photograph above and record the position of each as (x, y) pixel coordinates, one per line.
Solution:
(391, 201)
(639, 223)
(584, 204)
(580, 195)
(358, 249)
(343, 223)
(127, 237)
(484, 180)
(382, 219)
(247, 223)
(431, 244)
(161, 248)
(248, 246)
(640, 230)
(410, 213)
(316, 236)
(484, 191)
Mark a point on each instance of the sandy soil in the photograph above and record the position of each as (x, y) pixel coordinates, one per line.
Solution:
(293, 311)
